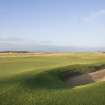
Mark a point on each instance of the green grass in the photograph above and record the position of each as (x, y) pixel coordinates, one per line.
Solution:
(39, 80)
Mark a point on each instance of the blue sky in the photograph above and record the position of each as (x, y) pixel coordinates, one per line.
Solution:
(28, 24)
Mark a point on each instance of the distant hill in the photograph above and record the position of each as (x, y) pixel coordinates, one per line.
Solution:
(15, 52)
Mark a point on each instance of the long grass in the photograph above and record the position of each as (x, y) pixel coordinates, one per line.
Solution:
(39, 80)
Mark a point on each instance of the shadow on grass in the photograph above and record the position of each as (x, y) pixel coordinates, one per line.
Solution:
(56, 78)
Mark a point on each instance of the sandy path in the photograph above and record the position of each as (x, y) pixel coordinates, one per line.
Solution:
(87, 78)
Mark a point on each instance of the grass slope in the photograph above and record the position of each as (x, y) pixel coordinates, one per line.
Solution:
(39, 80)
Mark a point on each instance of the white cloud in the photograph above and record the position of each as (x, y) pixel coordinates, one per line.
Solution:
(94, 15)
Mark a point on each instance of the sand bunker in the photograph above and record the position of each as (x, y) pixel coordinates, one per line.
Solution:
(87, 78)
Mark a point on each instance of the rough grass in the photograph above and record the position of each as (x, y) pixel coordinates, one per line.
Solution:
(39, 80)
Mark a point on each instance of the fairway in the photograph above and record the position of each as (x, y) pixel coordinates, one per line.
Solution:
(41, 79)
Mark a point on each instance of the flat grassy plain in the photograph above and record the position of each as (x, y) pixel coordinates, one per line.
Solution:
(40, 79)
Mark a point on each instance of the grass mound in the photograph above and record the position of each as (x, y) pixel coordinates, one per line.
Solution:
(40, 80)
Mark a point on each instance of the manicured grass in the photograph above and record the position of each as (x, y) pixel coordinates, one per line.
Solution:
(39, 80)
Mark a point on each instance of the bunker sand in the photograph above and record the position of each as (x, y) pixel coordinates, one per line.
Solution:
(87, 78)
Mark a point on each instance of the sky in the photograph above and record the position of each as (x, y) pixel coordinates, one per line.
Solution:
(33, 24)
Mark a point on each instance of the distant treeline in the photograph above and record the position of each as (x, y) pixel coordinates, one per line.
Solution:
(15, 52)
(39, 52)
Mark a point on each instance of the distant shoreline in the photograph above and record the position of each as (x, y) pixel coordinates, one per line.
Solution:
(26, 53)
(32, 54)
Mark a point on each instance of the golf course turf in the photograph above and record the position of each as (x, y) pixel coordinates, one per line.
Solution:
(41, 80)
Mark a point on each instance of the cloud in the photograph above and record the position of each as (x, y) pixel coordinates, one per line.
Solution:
(94, 15)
